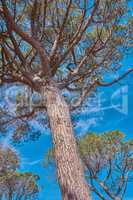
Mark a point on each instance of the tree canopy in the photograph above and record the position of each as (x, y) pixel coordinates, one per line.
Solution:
(77, 42)
(108, 160)
(15, 185)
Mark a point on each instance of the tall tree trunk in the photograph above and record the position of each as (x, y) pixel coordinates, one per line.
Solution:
(69, 168)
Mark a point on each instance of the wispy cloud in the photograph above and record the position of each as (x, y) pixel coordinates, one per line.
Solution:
(31, 163)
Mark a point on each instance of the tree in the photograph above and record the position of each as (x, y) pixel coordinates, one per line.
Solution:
(108, 161)
(15, 185)
(57, 46)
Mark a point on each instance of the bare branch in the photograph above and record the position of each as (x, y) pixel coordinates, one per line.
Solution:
(85, 92)
(104, 84)
(56, 42)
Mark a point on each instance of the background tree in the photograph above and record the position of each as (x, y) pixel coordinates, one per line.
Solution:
(108, 161)
(57, 46)
(15, 185)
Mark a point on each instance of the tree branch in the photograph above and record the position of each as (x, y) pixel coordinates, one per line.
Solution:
(104, 84)
(85, 92)
(77, 37)
(13, 27)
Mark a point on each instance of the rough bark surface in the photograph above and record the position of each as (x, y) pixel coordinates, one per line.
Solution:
(69, 167)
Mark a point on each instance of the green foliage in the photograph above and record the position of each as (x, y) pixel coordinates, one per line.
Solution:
(101, 148)
(12, 182)
(9, 160)
(108, 161)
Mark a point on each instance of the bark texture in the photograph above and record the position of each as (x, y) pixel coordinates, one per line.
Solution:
(69, 167)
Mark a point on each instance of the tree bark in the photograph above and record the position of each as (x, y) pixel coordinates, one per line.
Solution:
(69, 167)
